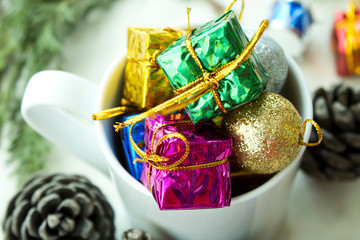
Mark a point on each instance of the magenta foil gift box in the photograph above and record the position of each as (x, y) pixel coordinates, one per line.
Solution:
(196, 176)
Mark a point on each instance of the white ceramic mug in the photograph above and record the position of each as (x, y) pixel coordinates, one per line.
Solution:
(60, 105)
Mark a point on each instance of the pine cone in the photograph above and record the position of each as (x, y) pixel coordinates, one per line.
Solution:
(337, 111)
(59, 207)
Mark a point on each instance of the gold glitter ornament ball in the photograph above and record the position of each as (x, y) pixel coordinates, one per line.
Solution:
(265, 134)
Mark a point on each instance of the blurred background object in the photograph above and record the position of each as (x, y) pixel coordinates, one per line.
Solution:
(32, 36)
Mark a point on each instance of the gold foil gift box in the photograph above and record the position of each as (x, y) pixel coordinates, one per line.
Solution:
(145, 83)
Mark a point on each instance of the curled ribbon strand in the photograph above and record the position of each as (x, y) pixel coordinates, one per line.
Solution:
(126, 107)
(155, 160)
(318, 131)
(241, 11)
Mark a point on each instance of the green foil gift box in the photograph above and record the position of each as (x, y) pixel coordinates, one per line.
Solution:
(216, 43)
(145, 84)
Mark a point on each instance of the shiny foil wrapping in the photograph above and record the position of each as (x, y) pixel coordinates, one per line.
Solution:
(216, 43)
(289, 23)
(145, 83)
(293, 14)
(134, 168)
(208, 187)
(345, 33)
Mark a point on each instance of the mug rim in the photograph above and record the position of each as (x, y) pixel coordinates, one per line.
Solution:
(114, 164)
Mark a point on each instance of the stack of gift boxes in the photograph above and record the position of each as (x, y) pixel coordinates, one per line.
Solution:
(184, 157)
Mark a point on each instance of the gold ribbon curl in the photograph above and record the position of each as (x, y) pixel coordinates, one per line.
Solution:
(126, 107)
(241, 11)
(318, 131)
(155, 160)
(352, 36)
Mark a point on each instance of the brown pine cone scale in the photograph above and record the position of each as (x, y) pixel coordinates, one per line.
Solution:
(59, 207)
(337, 111)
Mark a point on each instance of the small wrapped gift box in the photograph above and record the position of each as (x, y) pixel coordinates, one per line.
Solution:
(216, 43)
(193, 171)
(134, 168)
(145, 83)
(346, 41)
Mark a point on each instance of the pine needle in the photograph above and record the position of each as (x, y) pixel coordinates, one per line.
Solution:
(32, 35)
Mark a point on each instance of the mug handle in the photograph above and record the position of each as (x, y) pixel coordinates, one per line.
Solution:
(59, 106)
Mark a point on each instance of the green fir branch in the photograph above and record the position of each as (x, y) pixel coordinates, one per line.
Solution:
(32, 35)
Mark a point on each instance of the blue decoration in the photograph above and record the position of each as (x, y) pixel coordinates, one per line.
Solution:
(293, 15)
(135, 168)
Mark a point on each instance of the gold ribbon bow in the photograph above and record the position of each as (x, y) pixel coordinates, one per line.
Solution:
(352, 36)
(206, 77)
(210, 79)
(156, 161)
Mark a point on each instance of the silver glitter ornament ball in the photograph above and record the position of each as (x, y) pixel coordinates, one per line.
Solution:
(273, 59)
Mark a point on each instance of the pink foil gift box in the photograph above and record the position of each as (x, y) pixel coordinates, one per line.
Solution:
(196, 176)
(346, 41)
